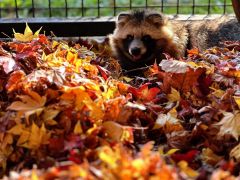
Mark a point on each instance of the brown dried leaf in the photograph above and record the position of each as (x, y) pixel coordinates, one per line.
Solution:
(7, 63)
(230, 124)
(180, 75)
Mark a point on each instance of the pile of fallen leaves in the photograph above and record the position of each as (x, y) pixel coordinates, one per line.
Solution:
(67, 112)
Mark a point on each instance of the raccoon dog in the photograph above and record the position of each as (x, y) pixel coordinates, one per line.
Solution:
(143, 36)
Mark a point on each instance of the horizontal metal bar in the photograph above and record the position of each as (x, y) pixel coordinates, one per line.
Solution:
(117, 7)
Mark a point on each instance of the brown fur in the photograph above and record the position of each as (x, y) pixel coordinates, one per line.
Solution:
(208, 33)
(171, 37)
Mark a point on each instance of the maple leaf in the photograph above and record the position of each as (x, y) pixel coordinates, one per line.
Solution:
(235, 153)
(237, 100)
(174, 95)
(187, 170)
(179, 75)
(193, 52)
(38, 136)
(210, 157)
(144, 93)
(154, 69)
(15, 78)
(17, 129)
(8, 63)
(78, 128)
(81, 98)
(30, 137)
(104, 72)
(108, 156)
(30, 104)
(115, 109)
(168, 122)
(174, 66)
(230, 124)
(5, 152)
(187, 157)
(118, 132)
(27, 36)
(49, 114)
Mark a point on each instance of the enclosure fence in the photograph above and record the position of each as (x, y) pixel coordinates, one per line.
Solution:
(96, 17)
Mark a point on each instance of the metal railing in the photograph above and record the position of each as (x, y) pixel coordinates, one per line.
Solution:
(99, 8)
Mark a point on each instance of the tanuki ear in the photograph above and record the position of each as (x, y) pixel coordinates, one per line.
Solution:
(156, 18)
(123, 18)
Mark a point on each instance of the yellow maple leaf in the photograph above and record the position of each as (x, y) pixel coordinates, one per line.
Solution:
(27, 36)
(17, 129)
(30, 137)
(237, 100)
(217, 92)
(38, 136)
(174, 95)
(169, 122)
(81, 98)
(127, 134)
(71, 56)
(23, 139)
(210, 157)
(49, 114)
(108, 156)
(78, 128)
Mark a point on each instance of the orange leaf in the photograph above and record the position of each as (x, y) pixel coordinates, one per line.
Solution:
(180, 75)
(144, 93)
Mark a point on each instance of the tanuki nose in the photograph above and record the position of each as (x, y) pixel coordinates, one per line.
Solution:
(135, 51)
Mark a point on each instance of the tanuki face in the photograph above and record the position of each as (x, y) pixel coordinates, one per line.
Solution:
(140, 38)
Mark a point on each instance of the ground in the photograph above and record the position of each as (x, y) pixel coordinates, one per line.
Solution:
(67, 110)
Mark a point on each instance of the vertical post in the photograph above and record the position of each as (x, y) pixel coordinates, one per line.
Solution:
(33, 9)
(224, 7)
(82, 8)
(177, 7)
(0, 10)
(193, 7)
(98, 8)
(66, 8)
(162, 6)
(49, 8)
(16, 9)
(236, 8)
(209, 6)
(114, 7)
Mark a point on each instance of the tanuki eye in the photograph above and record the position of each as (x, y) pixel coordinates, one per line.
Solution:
(146, 38)
(129, 37)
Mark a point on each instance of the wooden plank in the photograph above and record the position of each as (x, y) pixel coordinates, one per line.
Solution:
(60, 27)
(76, 27)
(236, 8)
